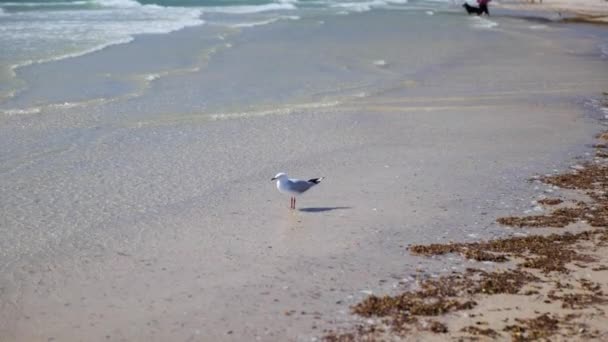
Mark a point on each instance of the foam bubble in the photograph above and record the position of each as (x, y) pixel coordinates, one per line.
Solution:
(380, 62)
(604, 50)
(152, 77)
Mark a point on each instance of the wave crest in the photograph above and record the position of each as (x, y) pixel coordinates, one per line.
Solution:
(118, 3)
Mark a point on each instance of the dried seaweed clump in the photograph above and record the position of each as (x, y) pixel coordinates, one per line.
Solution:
(473, 330)
(409, 303)
(439, 296)
(547, 253)
(479, 255)
(437, 327)
(593, 295)
(558, 219)
(503, 282)
(550, 201)
(533, 329)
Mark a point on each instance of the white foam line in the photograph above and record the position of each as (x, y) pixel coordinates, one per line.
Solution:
(44, 4)
(279, 111)
(482, 23)
(245, 9)
(70, 55)
(146, 79)
(359, 6)
(538, 27)
(264, 22)
(119, 3)
(11, 112)
(255, 23)
(101, 46)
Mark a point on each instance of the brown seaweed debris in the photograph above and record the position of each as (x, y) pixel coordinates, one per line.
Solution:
(601, 154)
(439, 296)
(550, 201)
(344, 337)
(547, 253)
(593, 295)
(437, 327)
(558, 219)
(592, 176)
(478, 255)
(581, 300)
(473, 330)
(510, 281)
(532, 329)
(409, 303)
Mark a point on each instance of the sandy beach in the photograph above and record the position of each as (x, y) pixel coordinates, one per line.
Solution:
(136, 198)
(594, 11)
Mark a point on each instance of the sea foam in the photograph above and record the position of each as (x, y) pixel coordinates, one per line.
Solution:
(245, 9)
(482, 23)
(119, 3)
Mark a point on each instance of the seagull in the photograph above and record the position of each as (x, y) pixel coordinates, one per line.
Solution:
(294, 187)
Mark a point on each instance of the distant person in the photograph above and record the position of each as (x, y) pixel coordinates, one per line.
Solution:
(483, 6)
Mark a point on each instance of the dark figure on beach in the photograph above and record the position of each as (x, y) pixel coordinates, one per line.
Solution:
(483, 7)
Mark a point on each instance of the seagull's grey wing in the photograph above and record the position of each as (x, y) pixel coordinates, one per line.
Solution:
(299, 185)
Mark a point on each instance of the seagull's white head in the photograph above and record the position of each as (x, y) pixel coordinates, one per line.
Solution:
(279, 176)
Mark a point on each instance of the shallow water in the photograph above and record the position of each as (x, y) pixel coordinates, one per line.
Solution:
(45, 30)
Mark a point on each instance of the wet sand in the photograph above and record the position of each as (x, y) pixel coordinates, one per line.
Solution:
(160, 228)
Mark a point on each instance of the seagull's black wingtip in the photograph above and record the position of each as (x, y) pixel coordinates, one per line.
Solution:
(315, 180)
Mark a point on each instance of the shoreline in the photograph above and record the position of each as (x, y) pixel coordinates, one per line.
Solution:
(585, 11)
(551, 282)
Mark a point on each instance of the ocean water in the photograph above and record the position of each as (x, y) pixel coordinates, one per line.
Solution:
(39, 31)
